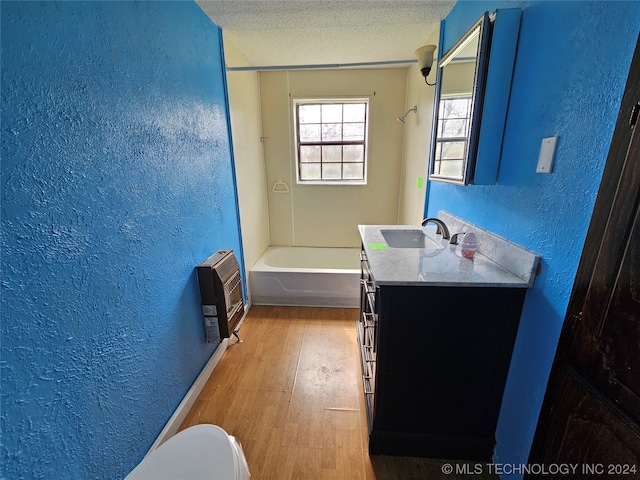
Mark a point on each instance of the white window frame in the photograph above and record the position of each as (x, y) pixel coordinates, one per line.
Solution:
(334, 100)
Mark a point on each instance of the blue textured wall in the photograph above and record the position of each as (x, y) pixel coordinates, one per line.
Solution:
(571, 67)
(117, 179)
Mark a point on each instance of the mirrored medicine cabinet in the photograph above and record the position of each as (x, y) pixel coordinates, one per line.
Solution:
(458, 103)
(472, 99)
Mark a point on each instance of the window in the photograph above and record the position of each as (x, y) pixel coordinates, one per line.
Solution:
(331, 141)
(451, 144)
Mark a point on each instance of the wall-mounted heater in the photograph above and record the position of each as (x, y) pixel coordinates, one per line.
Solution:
(221, 295)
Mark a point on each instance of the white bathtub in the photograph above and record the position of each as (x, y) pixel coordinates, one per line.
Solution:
(307, 276)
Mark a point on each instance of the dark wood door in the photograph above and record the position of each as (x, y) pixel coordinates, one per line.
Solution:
(591, 412)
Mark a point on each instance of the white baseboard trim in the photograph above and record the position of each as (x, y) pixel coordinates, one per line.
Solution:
(172, 426)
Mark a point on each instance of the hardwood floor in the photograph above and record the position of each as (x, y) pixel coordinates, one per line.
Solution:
(291, 394)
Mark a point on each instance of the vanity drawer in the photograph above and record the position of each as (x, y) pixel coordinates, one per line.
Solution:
(371, 299)
(369, 329)
(367, 357)
(369, 400)
(365, 267)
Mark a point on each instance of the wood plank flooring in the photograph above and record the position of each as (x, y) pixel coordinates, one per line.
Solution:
(291, 394)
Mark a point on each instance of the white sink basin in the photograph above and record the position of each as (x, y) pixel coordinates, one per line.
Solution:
(410, 238)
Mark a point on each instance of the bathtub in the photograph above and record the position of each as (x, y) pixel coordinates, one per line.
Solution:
(307, 276)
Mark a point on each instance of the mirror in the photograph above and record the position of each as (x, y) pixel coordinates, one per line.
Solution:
(458, 106)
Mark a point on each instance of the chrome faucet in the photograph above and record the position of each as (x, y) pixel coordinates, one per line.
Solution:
(442, 228)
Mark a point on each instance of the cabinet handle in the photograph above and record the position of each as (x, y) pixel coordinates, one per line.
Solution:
(367, 285)
(371, 300)
(364, 386)
(368, 354)
(368, 320)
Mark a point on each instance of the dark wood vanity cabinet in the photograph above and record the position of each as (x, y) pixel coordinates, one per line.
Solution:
(434, 362)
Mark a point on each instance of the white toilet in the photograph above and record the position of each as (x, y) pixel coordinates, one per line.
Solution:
(197, 453)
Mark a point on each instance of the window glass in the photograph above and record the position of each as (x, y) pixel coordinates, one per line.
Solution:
(309, 154)
(453, 124)
(353, 153)
(331, 132)
(331, 153)
(331, 140)
(309, 114)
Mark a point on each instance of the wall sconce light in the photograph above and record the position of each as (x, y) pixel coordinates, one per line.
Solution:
(425, 61)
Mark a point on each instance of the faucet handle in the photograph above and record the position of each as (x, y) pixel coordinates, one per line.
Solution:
(454, 238)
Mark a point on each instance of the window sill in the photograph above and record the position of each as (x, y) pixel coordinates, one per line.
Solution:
(342, 183)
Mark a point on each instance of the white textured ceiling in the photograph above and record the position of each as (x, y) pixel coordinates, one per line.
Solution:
(307, 32)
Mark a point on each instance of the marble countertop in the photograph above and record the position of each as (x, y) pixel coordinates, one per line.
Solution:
(439, 267)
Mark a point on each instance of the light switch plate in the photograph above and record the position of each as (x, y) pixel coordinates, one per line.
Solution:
(547, 154)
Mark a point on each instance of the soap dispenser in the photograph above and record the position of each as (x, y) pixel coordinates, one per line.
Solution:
(469, 245)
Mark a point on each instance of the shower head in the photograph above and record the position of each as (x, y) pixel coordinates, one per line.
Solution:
(414, 110)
